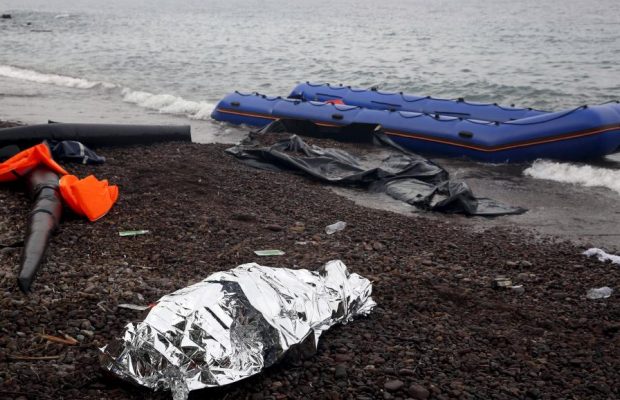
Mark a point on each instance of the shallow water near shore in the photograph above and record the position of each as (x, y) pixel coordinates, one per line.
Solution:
(590, 217)
(165, 62)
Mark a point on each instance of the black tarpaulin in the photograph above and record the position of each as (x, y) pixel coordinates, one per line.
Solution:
(7, 152)
(74, 151)
(398, 172)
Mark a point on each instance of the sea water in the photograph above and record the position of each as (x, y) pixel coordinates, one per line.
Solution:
(169, 61)
(182, 56)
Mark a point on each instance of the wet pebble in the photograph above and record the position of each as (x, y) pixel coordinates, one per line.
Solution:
(86, 325)
(340, 371)
(88, 333)
(418, 392)
(393, 385)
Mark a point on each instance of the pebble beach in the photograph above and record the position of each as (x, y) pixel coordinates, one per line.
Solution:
(441, 330)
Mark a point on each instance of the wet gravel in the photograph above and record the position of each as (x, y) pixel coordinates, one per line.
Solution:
(440, 330)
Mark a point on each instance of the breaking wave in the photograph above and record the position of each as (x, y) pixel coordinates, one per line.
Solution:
(51, 79)
(584, 175)
(164, 103)
(169, 104)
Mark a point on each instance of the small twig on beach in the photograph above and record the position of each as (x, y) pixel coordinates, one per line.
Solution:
(417, 365)
(31, 358)
(71, 338)
(144, 267)
(67, 340)
(102, 307)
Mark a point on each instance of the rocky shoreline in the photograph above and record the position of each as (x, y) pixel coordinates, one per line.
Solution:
(440, 330)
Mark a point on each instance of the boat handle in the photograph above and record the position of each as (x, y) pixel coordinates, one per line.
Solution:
(235, 104)
(466, 134)
(337, 116)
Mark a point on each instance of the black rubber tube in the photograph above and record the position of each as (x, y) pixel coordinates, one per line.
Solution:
(42, 222)
(95, 134)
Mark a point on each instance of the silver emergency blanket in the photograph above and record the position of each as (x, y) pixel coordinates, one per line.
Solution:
(233, 324)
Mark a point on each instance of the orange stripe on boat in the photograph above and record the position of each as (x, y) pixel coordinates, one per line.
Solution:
(246, 114)
(488, 149)
(266, 116)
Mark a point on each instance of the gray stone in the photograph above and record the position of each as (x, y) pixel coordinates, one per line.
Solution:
(341, 371)
(88, 333)
(418, 392)
(393, 385)
(86, 325)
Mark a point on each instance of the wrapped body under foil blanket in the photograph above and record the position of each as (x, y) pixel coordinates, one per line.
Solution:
(233, 324)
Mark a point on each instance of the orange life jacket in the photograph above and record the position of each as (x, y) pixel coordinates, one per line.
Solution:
(89, 197)
(25, 161)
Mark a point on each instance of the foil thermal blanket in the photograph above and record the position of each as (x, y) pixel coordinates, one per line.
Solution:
(233, 324)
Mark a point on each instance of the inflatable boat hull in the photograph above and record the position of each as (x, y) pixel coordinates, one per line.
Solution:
(399, 101)
(582, 133)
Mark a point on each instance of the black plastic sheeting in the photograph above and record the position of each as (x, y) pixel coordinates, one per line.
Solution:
(43, 220)
(94, 134)
(67, 150)
(73, 151)
(401, 174)
(7, 152)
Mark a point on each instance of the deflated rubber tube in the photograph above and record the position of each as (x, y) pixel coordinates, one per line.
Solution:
(42, 222)
(95, 134)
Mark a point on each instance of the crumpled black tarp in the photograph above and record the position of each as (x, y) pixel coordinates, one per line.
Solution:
(401, 174)
(66, 150)
(74, 151)
(7, 152)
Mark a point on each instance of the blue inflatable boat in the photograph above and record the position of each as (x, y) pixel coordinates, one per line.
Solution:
(485, 132)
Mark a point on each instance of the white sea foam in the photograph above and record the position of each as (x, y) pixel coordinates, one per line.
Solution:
(584, 175)
(169, 104)
(50, 79)
(602, 255)
(164, 103)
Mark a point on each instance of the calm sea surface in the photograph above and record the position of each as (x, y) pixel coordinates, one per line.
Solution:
(540, 53)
